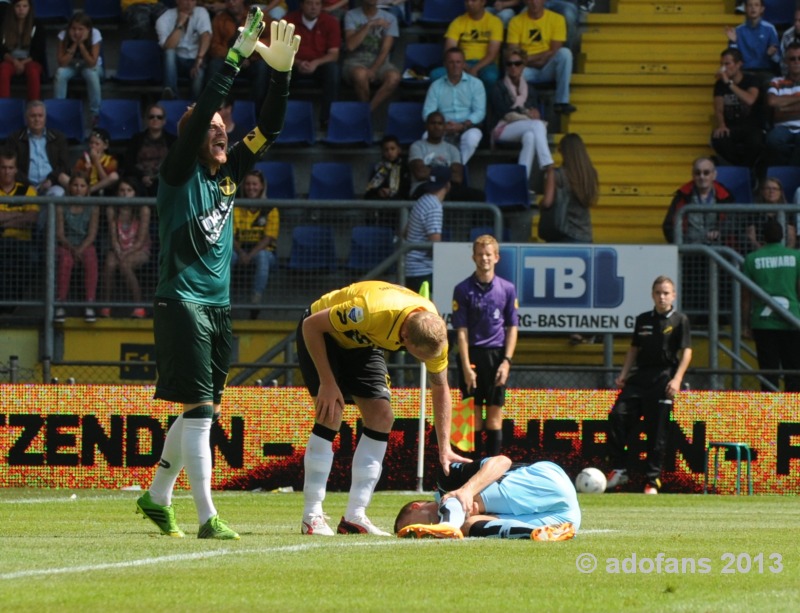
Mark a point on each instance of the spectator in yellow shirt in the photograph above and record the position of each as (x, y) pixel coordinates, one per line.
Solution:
(541, 34)
(479, 34)
(255, 236)
(17, 221)
(97, 164)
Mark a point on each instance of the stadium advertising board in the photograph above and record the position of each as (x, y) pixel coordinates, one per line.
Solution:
(565, 288)
(76, 436)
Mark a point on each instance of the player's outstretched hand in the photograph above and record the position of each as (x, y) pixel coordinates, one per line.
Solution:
(282, 47)
(448, 456)
(245, 43)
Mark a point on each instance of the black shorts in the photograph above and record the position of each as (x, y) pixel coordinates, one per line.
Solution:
(193, 350)
(358, 372)
(486, 362)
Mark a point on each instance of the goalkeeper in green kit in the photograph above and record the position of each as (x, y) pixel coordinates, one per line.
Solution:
(192, 319)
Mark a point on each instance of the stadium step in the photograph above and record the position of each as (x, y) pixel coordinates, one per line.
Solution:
(631, 95)
(656, 133)
(641, 79)
(644, 95)
(644, 113)
(668, 7)
(637, 66)
(660, 21)
(641, 156)
(660, 52)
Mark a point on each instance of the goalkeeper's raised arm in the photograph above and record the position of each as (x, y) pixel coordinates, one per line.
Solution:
(279, 56)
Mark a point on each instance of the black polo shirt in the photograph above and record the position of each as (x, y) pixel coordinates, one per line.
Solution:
(660, 338)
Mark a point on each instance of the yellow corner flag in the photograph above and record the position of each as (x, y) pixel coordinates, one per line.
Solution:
(462, 431)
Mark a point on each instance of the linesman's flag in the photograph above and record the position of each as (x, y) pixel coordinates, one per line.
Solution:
(462, 431)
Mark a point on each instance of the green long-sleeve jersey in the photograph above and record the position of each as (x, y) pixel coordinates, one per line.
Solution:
(195, 208)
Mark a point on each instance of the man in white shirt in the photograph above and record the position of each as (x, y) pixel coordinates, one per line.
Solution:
(184, 33)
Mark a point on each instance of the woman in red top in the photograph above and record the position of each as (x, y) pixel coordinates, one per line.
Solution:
(23, 50)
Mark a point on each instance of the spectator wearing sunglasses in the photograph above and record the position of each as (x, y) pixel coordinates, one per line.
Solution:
(147, 150)
(703, 228)
(700, 228)
(515, 107)
(542, 34)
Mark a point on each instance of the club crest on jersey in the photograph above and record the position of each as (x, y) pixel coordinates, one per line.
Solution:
(356, 315)
(227, 186)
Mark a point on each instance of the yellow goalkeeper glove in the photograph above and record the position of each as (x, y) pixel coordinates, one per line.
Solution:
(282, 48)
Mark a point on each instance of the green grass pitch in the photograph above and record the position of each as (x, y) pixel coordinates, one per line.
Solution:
(688, 553)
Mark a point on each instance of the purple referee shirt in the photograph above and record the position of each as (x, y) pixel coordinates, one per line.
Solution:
(485, 310)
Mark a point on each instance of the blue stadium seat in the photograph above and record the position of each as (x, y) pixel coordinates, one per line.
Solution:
(507, 185)
(174, 110)
(440, 12)
(421, 58)
(140, 61)
(103, 10)
(313, 249)
(298, 126)
(350, 123)
(789, 177)
(66, 115)
(121, 117)
(244, 113)
(52, 10)
(738, 181)
(331, 181)
(280, 179)
(12, 116)
(369, 246)
(404, 120)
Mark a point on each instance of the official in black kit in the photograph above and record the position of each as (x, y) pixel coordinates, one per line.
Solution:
(651, 376)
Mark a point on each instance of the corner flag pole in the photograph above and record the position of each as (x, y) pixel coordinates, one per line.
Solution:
(425, 292)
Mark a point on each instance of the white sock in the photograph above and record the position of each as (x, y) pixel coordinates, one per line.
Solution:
(170, 465)
(452, 513)
(317, 461)
(197, 459)
(367, 466)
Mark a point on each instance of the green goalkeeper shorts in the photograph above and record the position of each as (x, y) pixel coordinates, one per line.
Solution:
(193, 350)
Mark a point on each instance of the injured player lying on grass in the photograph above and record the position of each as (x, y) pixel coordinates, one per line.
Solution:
(496, 498)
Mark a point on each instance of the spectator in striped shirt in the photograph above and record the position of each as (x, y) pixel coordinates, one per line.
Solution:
(425, 224)
(783, 98)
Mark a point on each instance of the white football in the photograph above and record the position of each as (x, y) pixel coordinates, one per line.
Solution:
(590, 481)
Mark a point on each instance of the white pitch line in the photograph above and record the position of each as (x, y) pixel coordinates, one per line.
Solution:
(184, 557)
(188, 557)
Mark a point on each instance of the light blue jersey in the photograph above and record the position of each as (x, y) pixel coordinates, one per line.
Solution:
(539, 494)
(527, 496)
